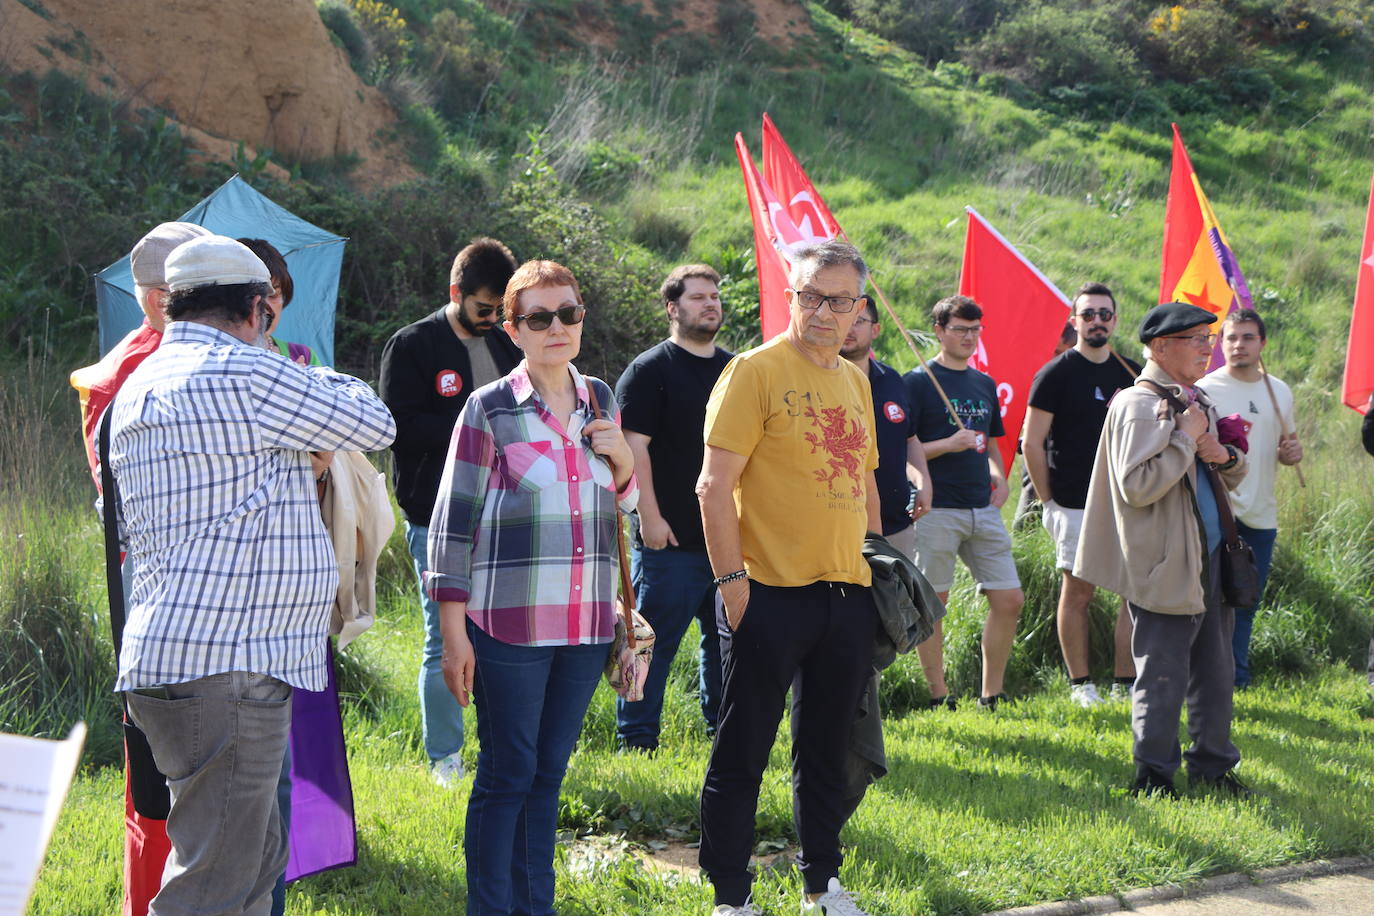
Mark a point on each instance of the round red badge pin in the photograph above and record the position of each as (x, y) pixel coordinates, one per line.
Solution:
(894, 412)
(448, 383)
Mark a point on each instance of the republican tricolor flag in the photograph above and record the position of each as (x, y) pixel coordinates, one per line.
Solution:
(1197, 265)
(1359, 354)
(1023, 317)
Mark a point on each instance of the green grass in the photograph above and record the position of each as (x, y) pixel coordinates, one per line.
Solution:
(978, 812)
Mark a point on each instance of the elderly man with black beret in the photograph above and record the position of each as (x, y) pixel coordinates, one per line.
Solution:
(1152, 533)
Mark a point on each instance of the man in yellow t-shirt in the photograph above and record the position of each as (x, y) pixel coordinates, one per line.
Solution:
(787, 493)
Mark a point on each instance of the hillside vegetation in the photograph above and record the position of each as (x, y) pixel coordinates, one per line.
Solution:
(598, 133)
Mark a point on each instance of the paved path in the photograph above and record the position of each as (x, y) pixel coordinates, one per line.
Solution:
(1344, 887)
(1350, 894)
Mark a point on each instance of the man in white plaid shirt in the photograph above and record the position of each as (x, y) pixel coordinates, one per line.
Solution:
(210, 444)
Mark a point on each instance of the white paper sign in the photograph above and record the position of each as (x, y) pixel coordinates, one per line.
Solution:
(34, 778)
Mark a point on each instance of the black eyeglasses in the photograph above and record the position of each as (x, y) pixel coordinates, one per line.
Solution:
(840, 305)
(569, 315)
(1102, 314)
(483, 309)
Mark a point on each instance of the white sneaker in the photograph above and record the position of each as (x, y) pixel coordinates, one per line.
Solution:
(834, 902)
(1085, 694)
(1120, 692)
(448, 771)
(726, 909)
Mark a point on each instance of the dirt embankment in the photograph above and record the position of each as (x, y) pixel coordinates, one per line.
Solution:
(228, 71)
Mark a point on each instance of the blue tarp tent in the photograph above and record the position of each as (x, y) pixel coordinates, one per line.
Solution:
(236, 210)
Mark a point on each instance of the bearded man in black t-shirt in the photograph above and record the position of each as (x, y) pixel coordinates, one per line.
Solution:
(1068, 405)
(662, 395)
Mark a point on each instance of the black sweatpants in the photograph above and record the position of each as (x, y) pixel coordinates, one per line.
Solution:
(822, 633)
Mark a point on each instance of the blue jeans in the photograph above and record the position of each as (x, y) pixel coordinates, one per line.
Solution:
(531, 701)
(440, 715)
(1261, 540)
(671, 588)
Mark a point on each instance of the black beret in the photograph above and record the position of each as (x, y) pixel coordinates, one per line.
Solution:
(1170, 318)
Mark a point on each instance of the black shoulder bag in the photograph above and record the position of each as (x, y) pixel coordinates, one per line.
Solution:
(147, 785)
(1239, 573)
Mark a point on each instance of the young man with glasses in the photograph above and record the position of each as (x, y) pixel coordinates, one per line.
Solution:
(1068, 405)
(787, 494)
(1243, 387)
(970, 487)
(663, 394)
(428, 370)
(1152, 534)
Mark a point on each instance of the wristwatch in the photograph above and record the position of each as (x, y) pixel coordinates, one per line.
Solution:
(1235, 456)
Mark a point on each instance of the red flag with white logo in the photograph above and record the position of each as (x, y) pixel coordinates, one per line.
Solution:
(785, 175)
(1359, 353)
(774, 236)
(1023, 316)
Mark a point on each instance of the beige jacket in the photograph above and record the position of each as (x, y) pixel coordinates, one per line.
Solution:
(357, 514)
(1142, 534)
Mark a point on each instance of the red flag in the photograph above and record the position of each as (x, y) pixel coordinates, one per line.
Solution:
(774, 234)
(1023, 316)
(785, 175)
(1359, 353)
(97, 384)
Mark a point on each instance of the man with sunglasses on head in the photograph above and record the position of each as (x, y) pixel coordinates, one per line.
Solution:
(970, 488)
(787, 493)
(1068, 405)
(428, 370)
(662, 396)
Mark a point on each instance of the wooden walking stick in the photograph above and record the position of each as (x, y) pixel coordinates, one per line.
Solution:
(920, 359)
(1284, 431)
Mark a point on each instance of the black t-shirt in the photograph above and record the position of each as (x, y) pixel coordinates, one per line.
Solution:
(1076, 390)
(895, 423)
(961, 479)
(663, 395)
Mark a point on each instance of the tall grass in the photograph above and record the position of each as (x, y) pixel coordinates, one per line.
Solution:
(56, 662)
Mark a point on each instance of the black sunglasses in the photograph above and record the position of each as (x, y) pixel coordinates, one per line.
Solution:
(569, 315)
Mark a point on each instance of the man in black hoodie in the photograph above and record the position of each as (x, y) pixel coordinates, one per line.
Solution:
(428, 370)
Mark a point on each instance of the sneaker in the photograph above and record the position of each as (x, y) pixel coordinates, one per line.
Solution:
(990, 703)
(1120, 692)
(1149, 782)
(1085, 694)
(726, 909)
(448, 771)
(944, 702)
(1225, 784)
(834, 902)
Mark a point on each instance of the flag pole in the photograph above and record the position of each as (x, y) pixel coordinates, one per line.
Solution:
(1283, 423)
(920, 358)
(910, 342)
(1121, 359)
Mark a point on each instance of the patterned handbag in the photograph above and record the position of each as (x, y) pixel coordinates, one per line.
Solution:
(632, 649)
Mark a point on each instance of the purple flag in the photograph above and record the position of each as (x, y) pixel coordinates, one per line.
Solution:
(323, 834)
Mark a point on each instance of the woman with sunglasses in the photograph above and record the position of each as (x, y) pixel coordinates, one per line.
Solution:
(522, 560)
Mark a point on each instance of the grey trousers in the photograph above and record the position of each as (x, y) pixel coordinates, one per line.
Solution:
(1184, 658)
(220, 741)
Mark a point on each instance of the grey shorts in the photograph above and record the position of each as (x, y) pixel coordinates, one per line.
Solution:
(976, 536)
(1063, 525)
